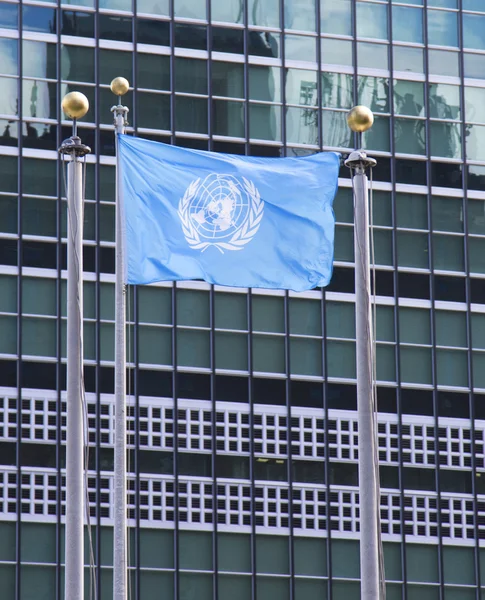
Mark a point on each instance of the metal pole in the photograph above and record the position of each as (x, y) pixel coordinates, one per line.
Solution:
(75, 493)
(369, 502)
(120, 564)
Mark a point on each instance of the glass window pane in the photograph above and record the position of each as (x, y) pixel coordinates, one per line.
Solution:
(340, 319)
(305, 356)
(301, 87)
(382, 208)
(155, 345)
(337, 90)
(230, 311)
(386, 363)
(268, 314)
(38, 100)
(451, 328)
(8, 16)
(412, 250)
(416, 365)
(191, 75)
(337, 52)
(153, 71)
(193, 308)
(154, 305)
(474, 65)
(40, 176)
(341, 359)
(452, 368)
(447, 214)
(448, 253)
(344, 205)
(410, 136)
(473, 28)
(195, 586)
(8, 294)
(475, 104)
(268, 354)
(39, 336)
(39, 296)
(191, 114)
(191, 9)
(8, 213)
(411, 211)
(114, 61)
(378, 137)
(231, 351)
(300, 14)
(374, 56)
(39, 59)
(302, 125)
(266, 14)
(414, 326)
(8, 339)
(9, 97)
(77, 63)
(36, 18)
(301, 47)
(305, 317)
(228, 79)
(336, 17)
(444, 101)
(374, 93)
(236, 587)
(265, 122)
(445, 140)
(442, 28)
(385, 324)
(409, 98)
(154, 7)
(344, 243)
(193, 348)
(153, 110)
(442, 62)
(264, 83)
(336, 132)
(476, 248)
(372, 20)
(408, 59)
(478, 330)
(407, 24)
(230, 11)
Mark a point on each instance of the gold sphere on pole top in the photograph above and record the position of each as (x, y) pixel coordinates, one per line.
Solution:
(75, 105)
(119, 86)
(360, 118)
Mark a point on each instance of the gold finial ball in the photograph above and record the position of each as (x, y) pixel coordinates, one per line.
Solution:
(75, 105)
(360, 118)
(119, 86)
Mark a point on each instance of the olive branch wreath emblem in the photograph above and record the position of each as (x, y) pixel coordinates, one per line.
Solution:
(241, 237)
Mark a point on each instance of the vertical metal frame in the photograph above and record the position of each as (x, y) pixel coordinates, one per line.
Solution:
(249, 307)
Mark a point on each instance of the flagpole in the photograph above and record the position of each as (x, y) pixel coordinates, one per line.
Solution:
(360, 119)
(75, 105)
(119, 87)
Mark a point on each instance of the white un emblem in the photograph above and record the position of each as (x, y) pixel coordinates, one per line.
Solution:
(222, 211)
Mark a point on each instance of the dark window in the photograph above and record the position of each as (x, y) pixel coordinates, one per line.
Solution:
(191, 143)
(306, 393)
(7, 450)
(479, 404)
(8, 252)
(8, 16)
(89, 379)
(155, 383)
(194, 464)
(450, 288)
(107, 380)
(149, 31)
(384, 283)
(343, 280)
(263, 43)
(417, 402)
(191, 36)
(115, 28)
(39, 254)
(8, 373)
(419, 479)
(477, 290)
(413, 286)
(306, 471)
(37, 18)
(389, 477)
(233, 467)
(271, 151)
(451, 404)
(382, 171)
(343, 474)
(410, 171)
(231, 389)
(475, 177)
(341, 396)
(269, 391)
(106, 260)
(446, 175)
(38, 375)
(155, 462)
(106, 143)
(47, 140)
(229, 148)
(37, 455)
(386, 399)
(227, 40)
(77, 23)
(194, 386)
(270, 469)
(456, 481)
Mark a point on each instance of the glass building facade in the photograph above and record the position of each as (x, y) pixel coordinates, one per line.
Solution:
(242, 403)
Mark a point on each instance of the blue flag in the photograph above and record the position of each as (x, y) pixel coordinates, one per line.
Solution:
(230, 220)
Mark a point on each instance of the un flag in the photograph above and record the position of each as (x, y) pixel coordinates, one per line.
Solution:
(229, 220)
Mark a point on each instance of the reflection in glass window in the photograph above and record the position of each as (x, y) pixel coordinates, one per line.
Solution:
(264, 43)
(264, 83)
(77, 23)
(39, 99)
(301, 47)
(475, 148)
(336, 132)
(228, 118)
(265, 122)
(442, 28)
(229, 11)
(442, 62)
(302, 125)
(476, 5)
(264, 13)
(374, 56)
(191, 9)
(153, 71)
(336, 17)
(409, 98)
(445, 139)
(372, 20)
(9, 97)
(337, 52)
(8, 56)
(473, 28)
(407, 58)
(475, 104)
(77, 63)
(116, 4)
(378, 137)
(407, 24)
(374, 93)
(410, 136)
(153, 7)
(337, 90)
(300, 15)
(8, 16)
(444, 101)
(301, 87)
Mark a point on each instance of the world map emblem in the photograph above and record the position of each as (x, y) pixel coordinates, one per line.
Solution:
(223, 211)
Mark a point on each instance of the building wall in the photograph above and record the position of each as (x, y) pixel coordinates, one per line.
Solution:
(242, 423)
